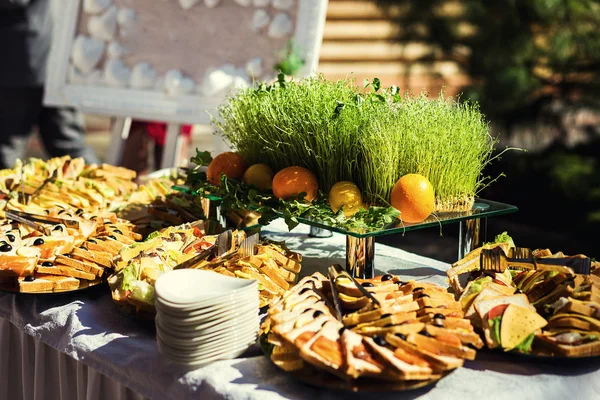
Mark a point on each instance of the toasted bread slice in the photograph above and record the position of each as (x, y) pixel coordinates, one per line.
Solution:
(447, 322)
(587, 349)
(393, 319)
(325, 350)
(436, 361)
(586, 308)
(65, 271)
(405, 370)
(404, 329)
(574, 321)
(81, 265)
(274, 276)
(465, 337)
(447, 312)
(37, 285)
(98, 244)
(288, 263)
(358, 360)
(435, 302)
(61, 282)
(442, 348)
(99, 257)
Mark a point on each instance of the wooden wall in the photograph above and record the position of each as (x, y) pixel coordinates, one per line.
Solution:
(362, 38)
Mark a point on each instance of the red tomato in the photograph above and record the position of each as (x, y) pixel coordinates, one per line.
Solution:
(497, 311)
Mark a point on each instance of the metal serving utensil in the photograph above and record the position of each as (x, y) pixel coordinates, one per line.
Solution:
(44, 219)
(197, 258)
(341, 271)
(39, 189)
(15, 216)
(495, 260)
(334, 292)
(247, 246)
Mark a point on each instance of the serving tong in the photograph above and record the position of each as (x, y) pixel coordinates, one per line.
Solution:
(522, 258)
(35, 221)
(222, 248)
(335, 272)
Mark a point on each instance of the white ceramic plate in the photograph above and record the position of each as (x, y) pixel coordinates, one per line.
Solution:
(232, 313)
(231, 337)
(191, 335)
(231, 334)
(246, 294)
(208, 311)
(188, 332)
(204, 351)
(191, 286)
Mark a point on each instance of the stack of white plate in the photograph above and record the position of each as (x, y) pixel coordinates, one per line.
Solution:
(202, 316)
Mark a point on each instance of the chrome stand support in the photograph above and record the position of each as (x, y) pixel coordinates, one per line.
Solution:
(360, 257)
(469, 235)
(316, 232)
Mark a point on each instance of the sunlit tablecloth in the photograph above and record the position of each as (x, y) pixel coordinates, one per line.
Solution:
(116, 356)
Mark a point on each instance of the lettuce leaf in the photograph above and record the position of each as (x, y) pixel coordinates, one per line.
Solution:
(130, 274)
(525, 345)
(142, 291)
(503, 238)
(496, 322)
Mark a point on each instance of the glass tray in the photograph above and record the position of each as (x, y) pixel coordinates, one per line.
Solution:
(481, 209)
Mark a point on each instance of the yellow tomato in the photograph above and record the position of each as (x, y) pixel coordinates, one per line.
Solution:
(259, 175)
(345, 194)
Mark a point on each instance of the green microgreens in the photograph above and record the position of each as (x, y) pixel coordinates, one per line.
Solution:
(369, 136)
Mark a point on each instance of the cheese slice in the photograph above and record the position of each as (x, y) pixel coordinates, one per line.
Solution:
(518, 323)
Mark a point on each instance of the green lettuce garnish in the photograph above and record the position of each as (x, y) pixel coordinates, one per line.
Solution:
(496, 322)
(502, 238)
(525, 345)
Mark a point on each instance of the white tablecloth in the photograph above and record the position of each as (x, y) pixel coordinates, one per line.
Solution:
(115, 352)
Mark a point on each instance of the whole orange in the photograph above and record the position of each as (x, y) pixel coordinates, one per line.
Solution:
(230, 164)
(413, 196)
(292, 181)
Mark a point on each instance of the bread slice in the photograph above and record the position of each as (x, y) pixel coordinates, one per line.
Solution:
(405, 370)
(324, 349)
(484, 306)
(65, 271)
(81, 265)
(588, 349)
(574, 321)
(447, 322)
(437, 362)
(447, 312)
(435, 346)
(358, 360)
(109, 246)
(586, 308)
(61, 282)
(99, 257)
(13, 267)
(394, 319)
(288, 263)
(404, 329)
(37, 285)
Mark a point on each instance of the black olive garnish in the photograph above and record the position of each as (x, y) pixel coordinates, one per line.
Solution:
(58, 228)
(386, 277)
(79, 211)
(341, 331)
(388, 325)
(367, 284)
(112, 237)
(82, 248)
(47, 264)
(438, 323)
(401, 335)
(421, 295)
(425, 333)
(400, 284)
(317, 313)
(118, 232)
(92, 241)
(29, 278)
(518, 291)
(5, 247)
(386, 315)
(304, 290)
(38, 241)
(379, 340)
(427, 307)
(11, 238)
(417, 289)
(440, 316)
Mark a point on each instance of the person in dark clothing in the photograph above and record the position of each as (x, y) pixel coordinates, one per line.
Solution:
(25, 39)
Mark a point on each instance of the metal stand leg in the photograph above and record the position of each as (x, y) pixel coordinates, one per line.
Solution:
(360, 257)
(319, 232)
(469, 235)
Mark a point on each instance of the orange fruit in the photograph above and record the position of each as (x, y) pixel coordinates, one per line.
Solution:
(292, 181)
(345, 194)
(413, 196)
(259, 175)
(230, 164)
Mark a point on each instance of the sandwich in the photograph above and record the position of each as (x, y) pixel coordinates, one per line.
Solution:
(509, 325)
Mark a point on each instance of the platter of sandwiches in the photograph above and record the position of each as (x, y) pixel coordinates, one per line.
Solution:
(59, 250)
(367, 335)
(231, 253)
(537, 303)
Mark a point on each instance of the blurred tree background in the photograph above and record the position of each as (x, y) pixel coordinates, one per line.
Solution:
(534, 67)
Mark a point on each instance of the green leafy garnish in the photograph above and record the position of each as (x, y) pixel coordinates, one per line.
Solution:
(525, 345)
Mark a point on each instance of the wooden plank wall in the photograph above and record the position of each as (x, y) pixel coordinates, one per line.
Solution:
(361, 38)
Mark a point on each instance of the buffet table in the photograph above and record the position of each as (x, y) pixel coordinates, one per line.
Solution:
(80, 346)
